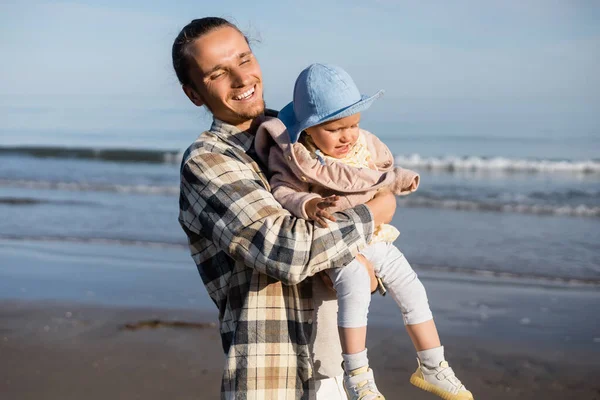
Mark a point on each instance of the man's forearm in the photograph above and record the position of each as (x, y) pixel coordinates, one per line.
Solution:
(382, 207)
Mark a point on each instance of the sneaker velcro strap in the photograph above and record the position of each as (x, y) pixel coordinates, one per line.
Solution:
(445, 374)
(359, 379)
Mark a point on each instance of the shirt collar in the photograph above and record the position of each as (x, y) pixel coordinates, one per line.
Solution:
(232, 135)
(235, 137)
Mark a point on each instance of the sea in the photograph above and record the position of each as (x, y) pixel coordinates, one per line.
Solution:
(502, 207)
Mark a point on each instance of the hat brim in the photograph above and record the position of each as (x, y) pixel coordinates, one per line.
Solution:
(295, 127)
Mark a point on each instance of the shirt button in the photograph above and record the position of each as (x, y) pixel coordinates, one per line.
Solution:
(290, 158)
(310, 321)
(303, 178)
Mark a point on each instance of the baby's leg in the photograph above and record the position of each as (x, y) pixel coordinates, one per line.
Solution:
(409, 293)
(401, 281)
(352, 284)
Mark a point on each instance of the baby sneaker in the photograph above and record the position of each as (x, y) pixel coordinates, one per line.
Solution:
(440, 381)
(360, 385)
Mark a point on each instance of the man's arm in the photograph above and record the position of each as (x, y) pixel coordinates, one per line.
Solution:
(225, 201)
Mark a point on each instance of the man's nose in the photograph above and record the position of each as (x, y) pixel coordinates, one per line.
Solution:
(240, 78)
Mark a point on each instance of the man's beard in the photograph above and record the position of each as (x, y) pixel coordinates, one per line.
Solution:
(244, 116)
(253, 113)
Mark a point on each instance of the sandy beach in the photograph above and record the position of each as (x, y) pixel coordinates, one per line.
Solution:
(73, 351)
(100, 321)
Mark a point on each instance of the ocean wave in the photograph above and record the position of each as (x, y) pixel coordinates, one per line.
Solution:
(523, 204)
(91, 187)
(100, 154)
(566, 195)
(28, 201)
(473, 163)
(444, 163)
(514, 277)
(96, 240)
(468, 205)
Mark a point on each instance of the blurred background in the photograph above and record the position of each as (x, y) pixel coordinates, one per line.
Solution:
(495, 104)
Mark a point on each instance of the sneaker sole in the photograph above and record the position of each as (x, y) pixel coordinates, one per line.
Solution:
(428, 387)
(348, 394)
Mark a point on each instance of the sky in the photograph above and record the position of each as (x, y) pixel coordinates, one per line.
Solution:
(465, 68)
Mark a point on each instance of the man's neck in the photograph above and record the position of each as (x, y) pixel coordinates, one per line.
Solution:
(246, 125)
(251, 125)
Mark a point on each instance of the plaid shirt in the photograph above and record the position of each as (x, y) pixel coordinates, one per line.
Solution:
(254, 258)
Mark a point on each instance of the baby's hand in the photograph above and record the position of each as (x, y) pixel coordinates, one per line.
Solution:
(405, 182)
(414, 184)
(316, 209)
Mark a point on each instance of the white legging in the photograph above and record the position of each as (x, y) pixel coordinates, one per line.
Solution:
(352, 285)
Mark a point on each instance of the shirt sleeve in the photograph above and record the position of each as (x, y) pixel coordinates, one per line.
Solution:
(225, 200)
(287, 189)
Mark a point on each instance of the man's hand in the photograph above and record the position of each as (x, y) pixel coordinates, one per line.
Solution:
(316, 209)
(368, 265)
(382, 206)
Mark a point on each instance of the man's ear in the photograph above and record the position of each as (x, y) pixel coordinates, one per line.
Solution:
(193, 95)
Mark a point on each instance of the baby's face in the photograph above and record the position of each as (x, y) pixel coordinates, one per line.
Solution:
(336, 138)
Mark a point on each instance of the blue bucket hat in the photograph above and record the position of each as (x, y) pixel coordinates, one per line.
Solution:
(322, 93)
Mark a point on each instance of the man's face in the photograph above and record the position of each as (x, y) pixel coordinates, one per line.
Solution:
(226, 77)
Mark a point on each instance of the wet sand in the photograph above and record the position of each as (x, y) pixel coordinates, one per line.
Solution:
(74, 351)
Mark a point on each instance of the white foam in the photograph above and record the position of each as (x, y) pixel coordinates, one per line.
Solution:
(451, 163)
(573, 211)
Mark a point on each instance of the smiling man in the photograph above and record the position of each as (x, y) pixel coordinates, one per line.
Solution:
(255, 259)
(224, 76)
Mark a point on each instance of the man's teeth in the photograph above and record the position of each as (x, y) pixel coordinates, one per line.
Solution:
(244, 95)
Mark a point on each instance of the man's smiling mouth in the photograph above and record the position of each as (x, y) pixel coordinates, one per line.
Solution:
(246, 95)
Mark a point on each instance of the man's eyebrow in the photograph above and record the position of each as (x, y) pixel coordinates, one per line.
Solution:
(219, 66)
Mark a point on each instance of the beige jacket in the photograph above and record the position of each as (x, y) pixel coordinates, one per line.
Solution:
(297, 176)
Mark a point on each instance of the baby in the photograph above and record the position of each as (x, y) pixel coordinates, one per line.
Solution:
(320, 162)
